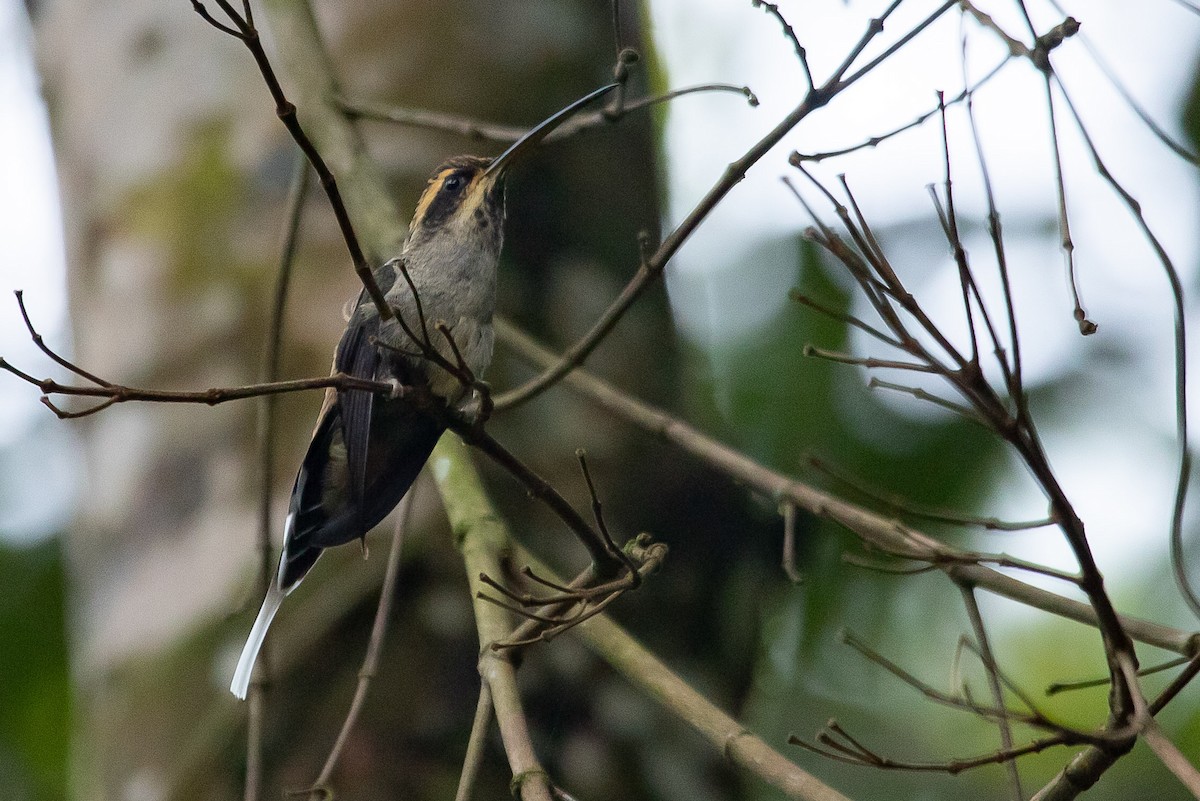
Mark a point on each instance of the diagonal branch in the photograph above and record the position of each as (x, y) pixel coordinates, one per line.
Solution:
(874, 529)
(485, 542)
(650, 270)
(370, 663)
(243, 29)
(481, 131)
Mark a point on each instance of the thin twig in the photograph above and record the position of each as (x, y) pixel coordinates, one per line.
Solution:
(901, 504)
(606, 560)
(920, 120)
(842, 317)
(41, 344)
(651, 269)
(1137, 108)
(475, 130)
(370, 663)
(949, 220)
(788, 512)
(1188, 5)
(924, 395)
(868, 362)
(1176, 686)
(212, 396)
(874, 28)
(255, 713)
(876, 530)
(992, 671)
(598, 517)
(1180, 342)
(1086, 326)
(860, 755)
(1071, 686)
(992, 712)
(473, 758)
(1014, 688)
(243, 30)
(1016, 387)
(1167, 752)
(790, 33)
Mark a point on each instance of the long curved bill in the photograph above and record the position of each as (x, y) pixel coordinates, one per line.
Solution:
(531, 140)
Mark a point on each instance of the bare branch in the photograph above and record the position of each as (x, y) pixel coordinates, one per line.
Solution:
(260, 680)
(651, 269)
(477, 130)
(473, 759)
(116, 393)
(992, 670)
(848, 319)
(896, 502)
(1069, 686)
(920, 394)
(248, 35)
(858, 754)
(876, 530)
(790, 33)
(370, 663)
(868, 362)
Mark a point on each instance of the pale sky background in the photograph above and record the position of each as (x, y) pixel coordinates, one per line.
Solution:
(723, 288)
(39, 474)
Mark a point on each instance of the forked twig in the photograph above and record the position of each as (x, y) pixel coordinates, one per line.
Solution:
(118, 393)
(836, 743)
(557, 616)
(598, 517)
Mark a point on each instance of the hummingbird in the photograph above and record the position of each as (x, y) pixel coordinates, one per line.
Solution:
(367, 448)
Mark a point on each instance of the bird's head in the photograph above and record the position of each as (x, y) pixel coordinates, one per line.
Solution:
(465, 196)
(463, 199)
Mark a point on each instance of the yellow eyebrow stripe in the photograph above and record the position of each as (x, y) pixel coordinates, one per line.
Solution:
(434, 186)
(431, 190)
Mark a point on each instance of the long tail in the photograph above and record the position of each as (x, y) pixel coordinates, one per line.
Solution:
(245, 666)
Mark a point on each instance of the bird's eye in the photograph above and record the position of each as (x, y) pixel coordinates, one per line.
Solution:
(453, 183)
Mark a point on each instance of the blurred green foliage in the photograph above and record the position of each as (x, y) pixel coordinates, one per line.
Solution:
(35, 690)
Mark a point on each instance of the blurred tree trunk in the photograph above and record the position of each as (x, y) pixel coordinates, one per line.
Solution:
(175, 173)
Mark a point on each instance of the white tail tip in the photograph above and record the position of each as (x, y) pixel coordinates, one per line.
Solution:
(245, 667)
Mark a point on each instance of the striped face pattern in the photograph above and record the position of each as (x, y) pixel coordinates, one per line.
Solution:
(460, 188)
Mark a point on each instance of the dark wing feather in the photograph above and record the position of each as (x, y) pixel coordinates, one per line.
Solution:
(358, 356)
(365, 453)
(307, 510)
